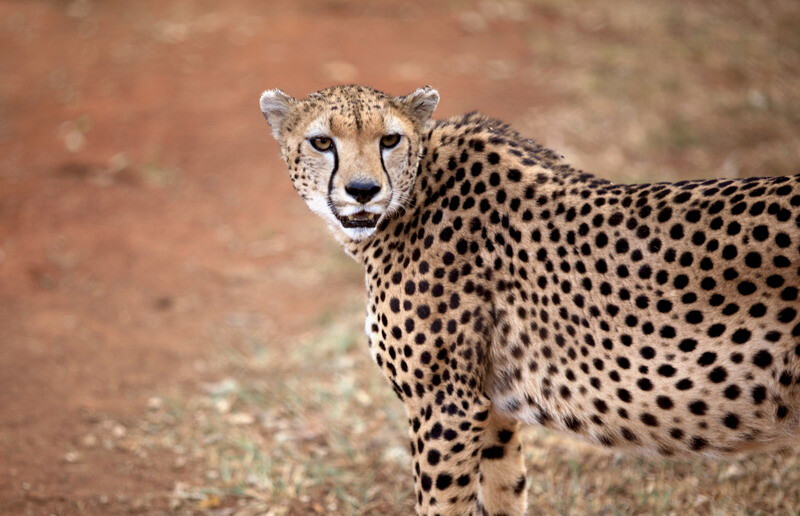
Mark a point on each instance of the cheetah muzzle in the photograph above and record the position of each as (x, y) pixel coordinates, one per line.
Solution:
(506, 287)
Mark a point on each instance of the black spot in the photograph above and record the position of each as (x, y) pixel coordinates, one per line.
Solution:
(718, 375)
(775, 281)
(762, 359)
(667, 332)
(729, 252)
(759, 394)
(760, 233)
(667, 370)
(423, 311)
(615, 219)
(715, 330)
(741, 335)
(649, 419)
(732, 391)
(746, 288)
(787, 315)
(600, 405)
(682, 197)
(783, 240)
(654, 246)
(664, 402)
(753, 260)
(572, 423)
(707, 358)
(698, 407)
(694, 317)
(708, 283)
(644, 384)
(493, 452)
(684, 384)
(426, 482)
(443, 481)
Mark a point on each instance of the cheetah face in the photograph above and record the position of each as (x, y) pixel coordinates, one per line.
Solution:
(352, 152)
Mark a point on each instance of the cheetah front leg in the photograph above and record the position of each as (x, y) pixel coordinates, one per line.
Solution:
(446, 442)
(502, 467)
(467, 458)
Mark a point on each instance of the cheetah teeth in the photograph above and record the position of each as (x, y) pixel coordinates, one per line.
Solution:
(362, 219)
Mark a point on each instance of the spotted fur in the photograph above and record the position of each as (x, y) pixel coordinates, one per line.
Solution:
(506, 287)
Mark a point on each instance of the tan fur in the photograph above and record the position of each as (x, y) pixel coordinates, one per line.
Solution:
(506, 287)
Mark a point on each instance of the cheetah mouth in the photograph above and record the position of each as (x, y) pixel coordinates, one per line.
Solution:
(361, 219)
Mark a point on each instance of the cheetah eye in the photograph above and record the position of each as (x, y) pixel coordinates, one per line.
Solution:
(390, 140)
(321, 143)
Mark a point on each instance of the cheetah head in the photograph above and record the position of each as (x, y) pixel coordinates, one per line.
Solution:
(352, 151)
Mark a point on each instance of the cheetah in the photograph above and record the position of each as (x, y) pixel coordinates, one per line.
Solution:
(506, 288)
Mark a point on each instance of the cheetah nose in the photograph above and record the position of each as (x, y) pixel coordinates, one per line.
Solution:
(362, 191)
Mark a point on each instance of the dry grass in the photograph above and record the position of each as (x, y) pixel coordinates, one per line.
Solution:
(694, 89)
(309, 426)
(302, 427)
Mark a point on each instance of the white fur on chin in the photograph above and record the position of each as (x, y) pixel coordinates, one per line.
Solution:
(358, 234)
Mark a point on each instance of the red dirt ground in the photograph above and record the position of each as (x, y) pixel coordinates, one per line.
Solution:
(135, 172)
(143, 205)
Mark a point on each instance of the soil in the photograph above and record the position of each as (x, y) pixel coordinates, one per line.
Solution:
(141, 197)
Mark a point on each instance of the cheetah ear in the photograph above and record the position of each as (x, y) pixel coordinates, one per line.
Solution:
(275, 105)
(420, 104)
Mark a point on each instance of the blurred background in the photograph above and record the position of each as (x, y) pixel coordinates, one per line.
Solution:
(178, 334)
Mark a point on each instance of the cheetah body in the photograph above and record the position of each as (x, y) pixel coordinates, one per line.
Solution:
(506, 287)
